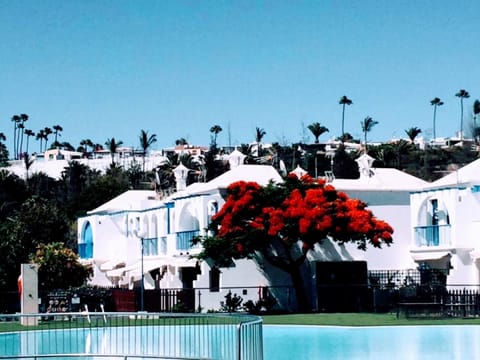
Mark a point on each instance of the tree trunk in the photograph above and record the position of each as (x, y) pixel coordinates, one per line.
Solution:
(283, 259)
(303, 302)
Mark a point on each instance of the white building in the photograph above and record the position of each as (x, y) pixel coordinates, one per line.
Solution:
(445, 218)
(110, 236)
(387, 193)
(53, 162)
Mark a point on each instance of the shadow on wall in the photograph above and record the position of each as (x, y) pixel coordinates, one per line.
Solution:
(280, 282)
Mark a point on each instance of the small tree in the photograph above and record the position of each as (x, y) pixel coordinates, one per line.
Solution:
(317, 130)
(462, 94)
(367, 125)
(412, 133)
(215, 130)
(436, 102)
(344, 101)
(113, 145)
(146, 141)
(59, 267)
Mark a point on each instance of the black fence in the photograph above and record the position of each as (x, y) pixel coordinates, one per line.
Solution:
(98, 299)
(417, 292)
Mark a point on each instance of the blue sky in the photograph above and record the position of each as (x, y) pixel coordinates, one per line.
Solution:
(104, 69)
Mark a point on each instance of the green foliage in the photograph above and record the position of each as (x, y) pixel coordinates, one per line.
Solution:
(3, 155)
(13, 192)
(103, 189)
(59, 267)
(232, 303)
(38, 222)
(344, 166)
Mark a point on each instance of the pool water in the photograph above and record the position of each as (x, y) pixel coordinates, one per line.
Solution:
(279, 342)
(372, 343)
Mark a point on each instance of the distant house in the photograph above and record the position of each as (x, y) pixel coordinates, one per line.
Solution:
(52, 162)
(60, 154)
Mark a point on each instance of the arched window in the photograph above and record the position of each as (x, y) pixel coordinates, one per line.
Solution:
(85, 247)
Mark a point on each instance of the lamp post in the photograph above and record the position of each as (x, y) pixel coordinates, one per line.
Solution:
(142, 286)
(317, 152)
(142, 278)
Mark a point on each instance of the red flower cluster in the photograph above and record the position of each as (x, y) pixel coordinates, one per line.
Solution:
(253, 215)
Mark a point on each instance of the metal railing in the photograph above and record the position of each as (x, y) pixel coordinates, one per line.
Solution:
(433, 235)
(131, 335)
(184, 239)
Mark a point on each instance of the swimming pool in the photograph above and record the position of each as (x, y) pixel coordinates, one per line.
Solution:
(136, 335)
(372, 343)
(279, 342)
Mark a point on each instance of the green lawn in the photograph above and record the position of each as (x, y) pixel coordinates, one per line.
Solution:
(359, 319)
(332, 319)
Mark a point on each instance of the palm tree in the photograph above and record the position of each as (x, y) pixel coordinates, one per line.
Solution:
(23, 119)
(85, 143)
(146, 142)
(46, 132)
(56, 130)
(16, 120)
(345, 137)
(476, 111)
(462, 94)
(66, 146)
(412, 133)
(367, 125)
(344, 101)
(181, 141)
(317, 130)
(435, 102)
(112, 146)
(215, 130)
(40, 136)
(28, 133)
(259, 134)
(20, 130)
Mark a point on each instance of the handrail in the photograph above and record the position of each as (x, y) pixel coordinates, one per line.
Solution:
(227, 336)
(110, 356)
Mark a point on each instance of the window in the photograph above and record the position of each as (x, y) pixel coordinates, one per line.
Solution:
(85, 246)
(163, 245)
(150, 246)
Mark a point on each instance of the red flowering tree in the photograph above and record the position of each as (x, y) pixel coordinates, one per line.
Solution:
(282, 222)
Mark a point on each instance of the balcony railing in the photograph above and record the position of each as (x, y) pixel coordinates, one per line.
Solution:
(433, 235)
(184, 239)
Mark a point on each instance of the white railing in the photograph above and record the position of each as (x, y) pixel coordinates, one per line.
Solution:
(184, 239)
(433, 235)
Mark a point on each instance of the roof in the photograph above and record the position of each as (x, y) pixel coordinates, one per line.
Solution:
(261, 174)
(382, 179)
(131, 200)
(138, 200)
(467, 175)
(54, 168)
